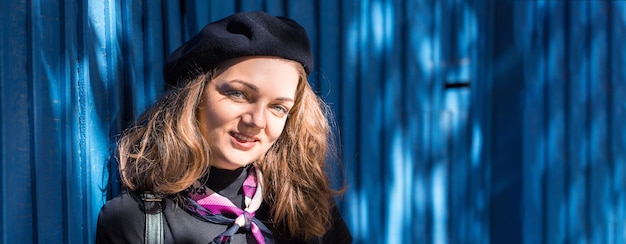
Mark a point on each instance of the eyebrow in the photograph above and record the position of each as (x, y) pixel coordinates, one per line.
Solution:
(256, 89)
(249, 85)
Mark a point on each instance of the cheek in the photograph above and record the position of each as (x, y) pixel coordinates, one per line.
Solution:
(215, 116)
(206, 117)
(276, 128)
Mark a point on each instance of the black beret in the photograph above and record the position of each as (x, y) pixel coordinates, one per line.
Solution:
(241, 34)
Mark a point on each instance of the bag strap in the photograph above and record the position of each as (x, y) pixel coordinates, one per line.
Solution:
(154, 219)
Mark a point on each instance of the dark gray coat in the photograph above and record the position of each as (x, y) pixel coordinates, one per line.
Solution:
(122, 220)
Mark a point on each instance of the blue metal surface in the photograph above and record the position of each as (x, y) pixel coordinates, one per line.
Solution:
(569, 166)
(459, 121)
(16, 127)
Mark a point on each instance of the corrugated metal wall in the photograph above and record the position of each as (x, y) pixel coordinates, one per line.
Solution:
(573, 108)
(461, 121)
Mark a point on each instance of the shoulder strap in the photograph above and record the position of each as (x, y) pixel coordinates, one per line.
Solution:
(154, 219)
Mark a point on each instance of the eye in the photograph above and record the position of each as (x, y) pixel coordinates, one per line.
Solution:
(236, 94)
(280, 110)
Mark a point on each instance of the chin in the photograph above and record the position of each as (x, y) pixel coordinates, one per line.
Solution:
(240, 162)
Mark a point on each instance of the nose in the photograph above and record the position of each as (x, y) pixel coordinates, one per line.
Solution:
(255, 117)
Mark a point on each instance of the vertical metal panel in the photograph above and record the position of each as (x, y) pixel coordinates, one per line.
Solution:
(17, 187)
(304, 12)
(481, 119)
(370, 115)
(329, 73)
(249, 5)
(556, 68)
(73, 184)
(439, 126)
(71, 52)
(544, 148)
(577, 117)
(221, 9)
(534, 161)
(419, 69)
(458, 38)
(348, 117)
(97, 83)
(617, 118)
(154, 53)
(135, 88)
(553, 81)
(506, 165)
(48, 117)
(398, 169)
(277, 7)
(137, 51)
(569, 73)
(600, 202)
(195, 16)
(173, 26)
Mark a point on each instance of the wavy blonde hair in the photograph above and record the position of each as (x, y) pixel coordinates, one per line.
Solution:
(294, 167)
(164, 152)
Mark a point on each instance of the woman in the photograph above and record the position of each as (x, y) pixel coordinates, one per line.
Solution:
(236, 151)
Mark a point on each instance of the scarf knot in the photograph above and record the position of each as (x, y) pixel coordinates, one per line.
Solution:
(244, 220)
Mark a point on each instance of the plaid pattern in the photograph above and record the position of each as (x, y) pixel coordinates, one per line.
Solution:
(215, 208)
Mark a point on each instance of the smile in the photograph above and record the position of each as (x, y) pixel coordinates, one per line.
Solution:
(242, 138)
(243, 142)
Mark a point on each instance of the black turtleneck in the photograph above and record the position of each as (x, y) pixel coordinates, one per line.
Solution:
(228, 183)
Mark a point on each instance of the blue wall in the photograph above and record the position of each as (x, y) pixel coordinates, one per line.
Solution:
(460, 121)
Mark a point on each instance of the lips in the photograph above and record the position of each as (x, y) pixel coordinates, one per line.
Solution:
(242, 138)
(243, 141)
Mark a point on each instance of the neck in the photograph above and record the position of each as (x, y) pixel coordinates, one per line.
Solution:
(219, 179)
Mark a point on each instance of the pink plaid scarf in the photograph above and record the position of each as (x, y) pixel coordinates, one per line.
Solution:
(212, 206)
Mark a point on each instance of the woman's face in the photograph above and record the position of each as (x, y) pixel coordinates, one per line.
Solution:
(244, 109)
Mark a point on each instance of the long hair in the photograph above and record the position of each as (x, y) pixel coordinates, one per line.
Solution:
(299, 191)
(165, 153)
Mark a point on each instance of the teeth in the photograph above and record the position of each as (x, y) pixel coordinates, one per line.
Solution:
(243, 138)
